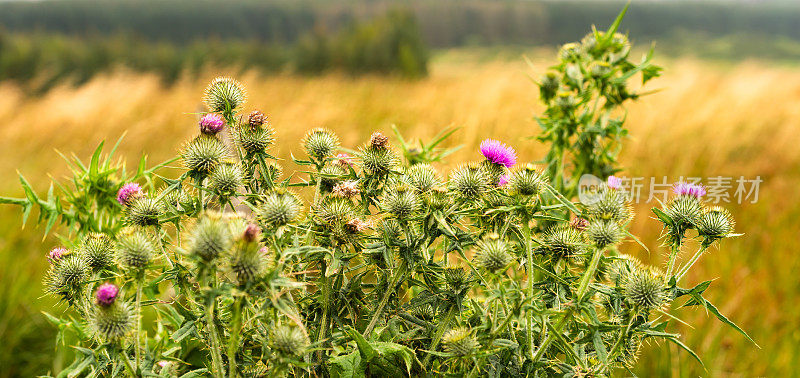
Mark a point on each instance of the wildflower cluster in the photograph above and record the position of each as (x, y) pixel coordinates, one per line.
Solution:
(369, 264)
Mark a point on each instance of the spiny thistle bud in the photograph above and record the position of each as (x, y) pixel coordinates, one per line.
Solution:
(225, 179)
(356, 226)
(565, 100)
(330, 175)
(256, 119)
(107, 294)
(579, 224)
(224, 94)
(599, 69)
(289, 340)
(498, 153)
(493, 253)
(346, 189)
(134, 249)
(113, 322)
(334, 211)
(569, 51)
(56, 254)
(377, 161)
(176, 199)
(603, 233)
(438, 198)
(254, 140)
(469, 181)
(402, 202)
(525, 182)
(379, 141)
(203, 154)
(684, 211)
(423, 177)
(621, 268)
(210, 237)
(246, 258)
(211, 124)
(460, 342)
(279, 209)
(548, 85)
(320, 143)
(144, 212)
(97, 250)
(562, 241)
(67, 277)
(646, 289)
(390, 230)
(424, 312)
(128, 193)
(716, 223)
(455, 277)
(610, 204)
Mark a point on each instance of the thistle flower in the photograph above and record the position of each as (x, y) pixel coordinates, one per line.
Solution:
(289, 340)
(603, 233)
(144, 212)
(128, 193)
(460, 342)
(562, 241)
(346, 189)
(134, 250)
(356, 226)
(401, 202)
(320, 143)
(498, 153)
(56, 254)
(224, 94)
(687, 189)
(569, 51)
(611, 205)
(646, 289)
(493, 253)
(67, 277)
(422, 177)
(107, 294)
(279, 209)
(684, 211)
(210, 237)
(203, 154)
(525, 182)
(469, 181)
(614, 182)
(256, 119)
(98, 251)
(379, 141)
(254, 140)
(246, 260)
(211, 124)
(112, 322)
(226, 179)
(715, 223)
(579, 224)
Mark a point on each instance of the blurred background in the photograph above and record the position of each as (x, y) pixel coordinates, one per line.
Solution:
(76, 72)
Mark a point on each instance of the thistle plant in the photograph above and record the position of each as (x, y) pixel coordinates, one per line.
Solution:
(374, 264)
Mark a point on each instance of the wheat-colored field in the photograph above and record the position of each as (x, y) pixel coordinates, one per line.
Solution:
(706, 120)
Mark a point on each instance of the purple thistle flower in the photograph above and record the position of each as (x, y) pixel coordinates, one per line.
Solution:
(614, 182)
(211, 123)
(686, 189)
(503, 180)
(129, 192)
(107, 294)
(56, 254)
(498, 153)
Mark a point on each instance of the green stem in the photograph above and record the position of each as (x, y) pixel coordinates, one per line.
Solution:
(127, 363)
(443, 326)
(673, 254)
(216, 357)
(621, 336)
(691, 263)
(526, 234)
(325, 285)
(233, 341)
(138, 322)
(399, 274)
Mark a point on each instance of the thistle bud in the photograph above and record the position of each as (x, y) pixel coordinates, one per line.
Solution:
(112, 322)
(98, 251)
(203, 154)
(716, 223)
(599, 69)
(493, 253)
(330, 175)
(210, 238)
(621, 268)
(144, 212)
(334, 211)
(379, 141)
(646, 289)
(67, 277)
(455, 277)
(246, 259)
(548, 85)
(603, 233)
(402, 203)
(254, 140)
(226, 179)
(377, 161)
(251, 233)
(685, 211)
(422, 177)
(565, 100)
(460, 342)
(320, 143)
(525, 182)
(570, 52)
(279, 209)
(211, 124)
(289, 340)
(129, 193)
(470, 181)
(562, 241)
(438, 198)
(224, 94)
(612, 205)
(256, 119)
(134, 250)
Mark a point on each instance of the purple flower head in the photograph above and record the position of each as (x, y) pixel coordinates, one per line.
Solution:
(107, 294)
(614, 182)
(56, 254)
(498, 153)
(503, 180)
(129, 192)
(211, 123)
(686, 189)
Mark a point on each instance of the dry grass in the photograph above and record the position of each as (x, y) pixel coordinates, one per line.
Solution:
(706, 121)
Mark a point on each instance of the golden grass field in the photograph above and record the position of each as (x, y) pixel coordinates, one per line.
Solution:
(708, 119)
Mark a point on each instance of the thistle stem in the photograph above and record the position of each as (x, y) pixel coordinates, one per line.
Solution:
(216, 357)
(526, 234)
(233, 341)
(399, 274)
(325, 285)
(691, 263)
(443, 326)
(138, 321)
(676, 248)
